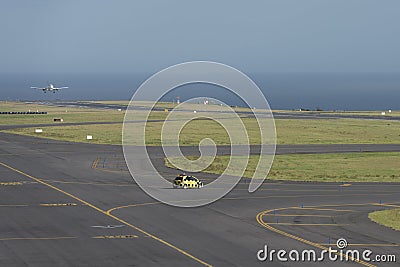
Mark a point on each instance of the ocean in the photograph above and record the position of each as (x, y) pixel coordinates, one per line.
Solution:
(328, 91)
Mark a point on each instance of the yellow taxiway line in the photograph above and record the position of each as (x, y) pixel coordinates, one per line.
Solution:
(266, 197)
(260, 220)
(298, 215)
(108, 214)
(308, 224)
(312, 208)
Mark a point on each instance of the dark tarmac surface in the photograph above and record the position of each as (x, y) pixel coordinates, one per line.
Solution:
(57, 209)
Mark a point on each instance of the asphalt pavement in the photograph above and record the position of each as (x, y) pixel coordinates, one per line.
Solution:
(57, 209)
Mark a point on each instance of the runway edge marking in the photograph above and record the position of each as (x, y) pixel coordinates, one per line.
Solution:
(107, 214)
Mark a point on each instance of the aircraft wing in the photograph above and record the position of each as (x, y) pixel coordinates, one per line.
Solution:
(38, 88)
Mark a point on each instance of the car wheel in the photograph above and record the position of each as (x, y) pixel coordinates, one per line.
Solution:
(185, 186)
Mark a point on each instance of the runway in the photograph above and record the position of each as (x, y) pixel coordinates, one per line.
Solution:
(57, 210)
(278, 115)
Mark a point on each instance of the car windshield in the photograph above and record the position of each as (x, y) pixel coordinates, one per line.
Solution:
(179, 178)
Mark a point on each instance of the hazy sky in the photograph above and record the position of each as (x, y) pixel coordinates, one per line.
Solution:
(146, 36)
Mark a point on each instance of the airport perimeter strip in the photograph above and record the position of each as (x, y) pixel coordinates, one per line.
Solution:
(107, 214)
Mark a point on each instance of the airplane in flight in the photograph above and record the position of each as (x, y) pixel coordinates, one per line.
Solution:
(49, 88)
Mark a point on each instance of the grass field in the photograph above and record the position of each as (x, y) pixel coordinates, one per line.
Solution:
(81, 116)
(289, 131)
(33, 106)
(341, 167)
(67, 114)
(388, 218)
(102, 134)
(358, 112)
(357, 167)
(338, 131)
